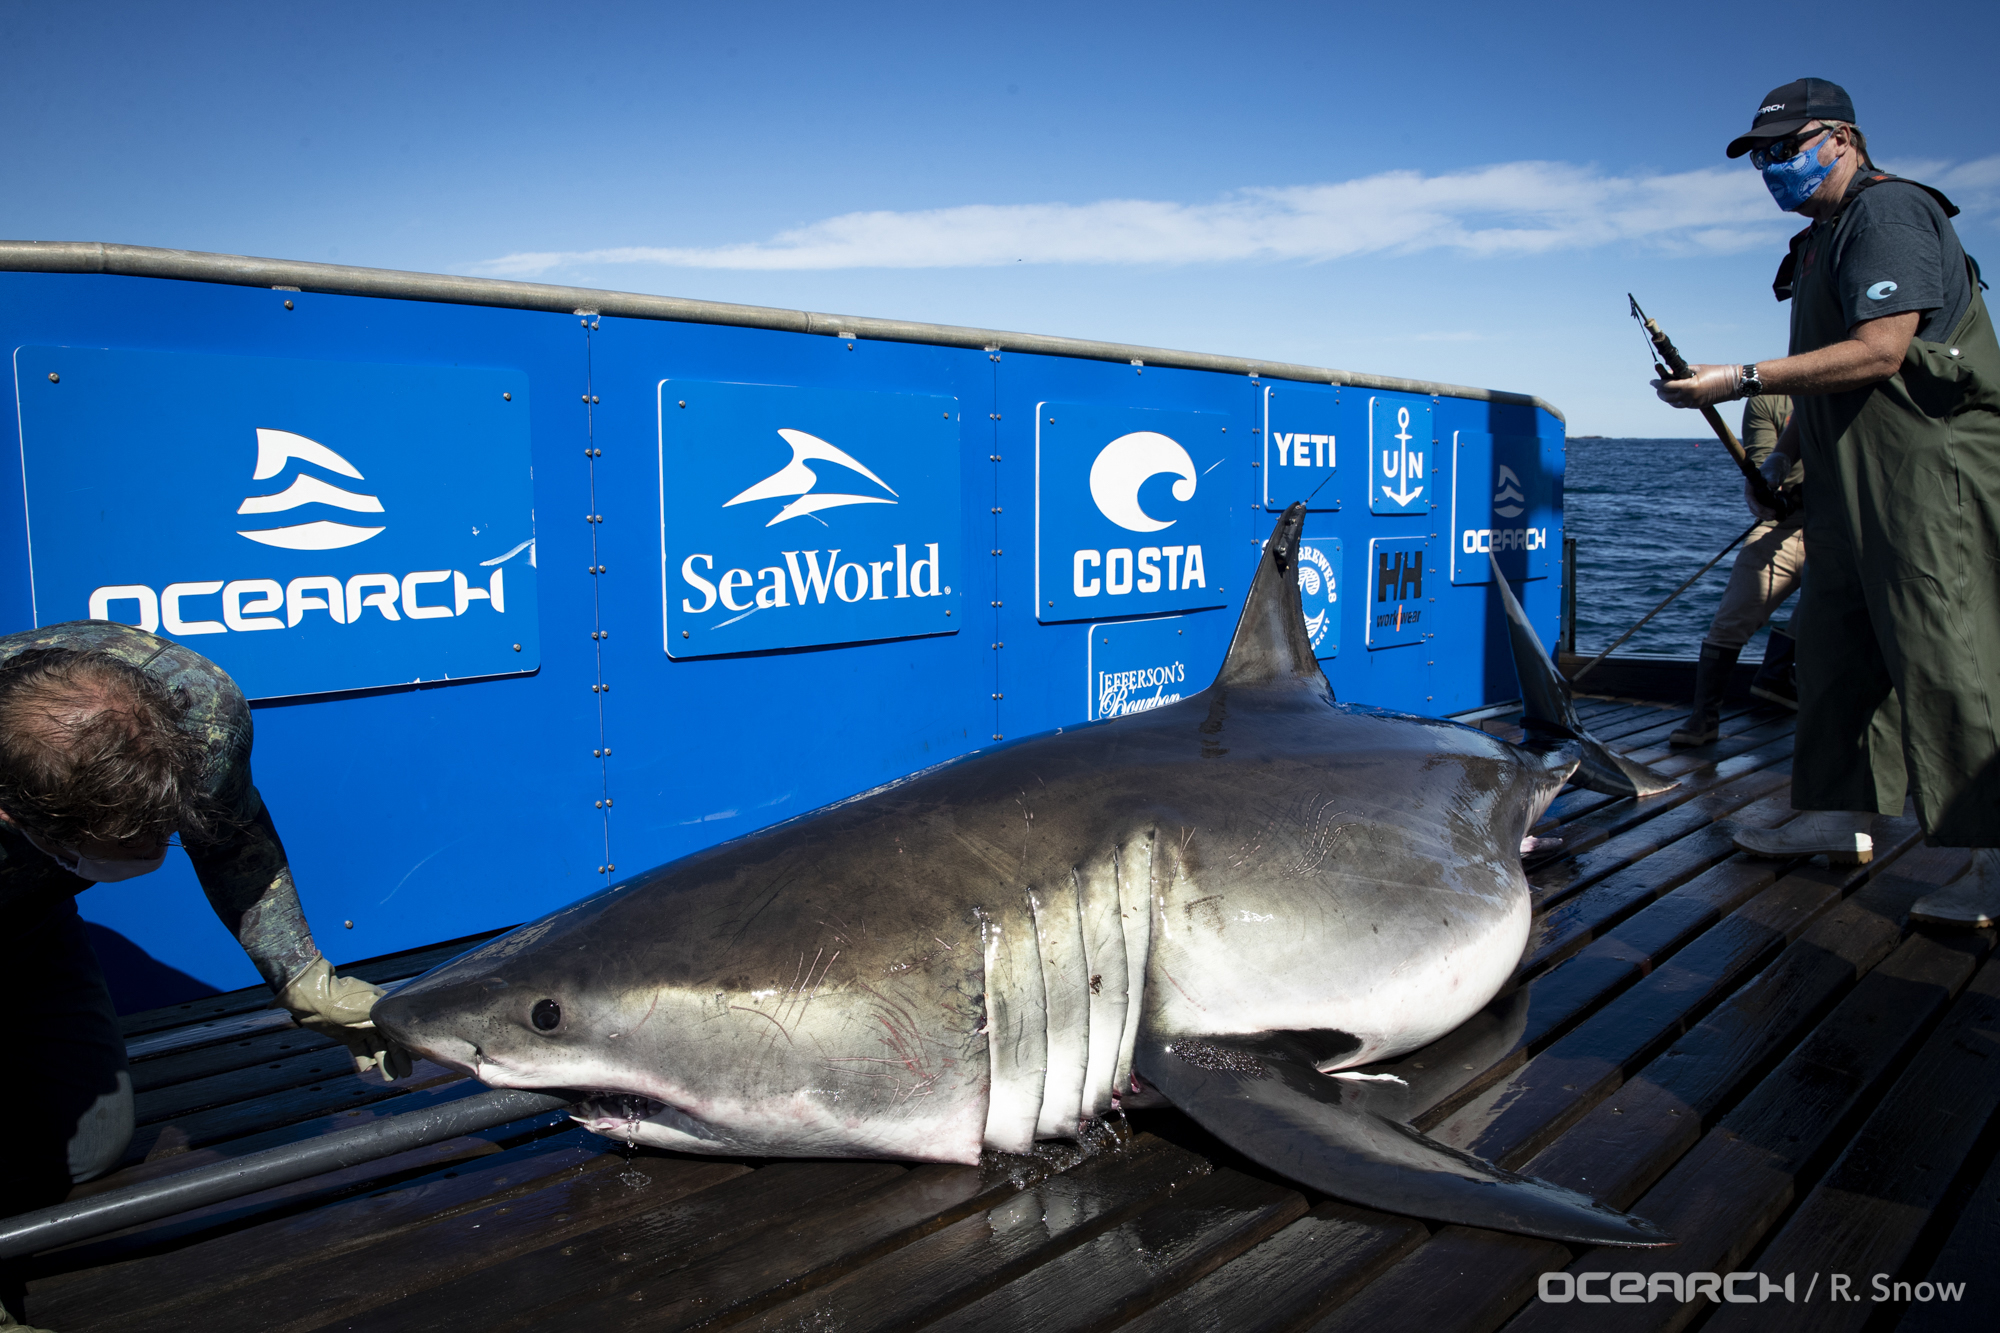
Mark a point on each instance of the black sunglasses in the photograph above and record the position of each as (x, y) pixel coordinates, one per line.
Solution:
(1787, 148)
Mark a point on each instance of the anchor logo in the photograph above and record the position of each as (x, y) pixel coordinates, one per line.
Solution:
(1402, 465)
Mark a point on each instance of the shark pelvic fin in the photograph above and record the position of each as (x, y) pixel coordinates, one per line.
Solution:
(1271, 645)
(1262, 1096)
(1550, 713)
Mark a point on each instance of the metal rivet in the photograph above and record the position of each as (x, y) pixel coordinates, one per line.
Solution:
(600, 805)
(288, 306)
(506, 397)
(947, 416)
(586, 397)
(684, 634)
(597, 754)
(348, 924)
(607, 800)
(607, 750)
(683, 402)
(611, 867)
(517, 647)
(595, 399)
(54, 378)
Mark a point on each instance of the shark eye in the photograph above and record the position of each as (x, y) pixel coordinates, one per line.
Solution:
(545, 1015)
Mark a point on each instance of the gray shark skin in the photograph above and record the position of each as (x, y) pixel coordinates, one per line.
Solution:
(1218, 902)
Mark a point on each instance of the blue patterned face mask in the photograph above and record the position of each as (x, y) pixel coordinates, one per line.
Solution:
(1797, 178)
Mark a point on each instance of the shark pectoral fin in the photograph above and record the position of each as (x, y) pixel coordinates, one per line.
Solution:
(1262, 1096)
(1549, 711)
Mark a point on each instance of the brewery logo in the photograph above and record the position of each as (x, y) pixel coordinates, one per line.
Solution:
(1318, 592)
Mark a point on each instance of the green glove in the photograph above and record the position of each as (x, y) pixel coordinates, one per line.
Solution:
(338, 1007)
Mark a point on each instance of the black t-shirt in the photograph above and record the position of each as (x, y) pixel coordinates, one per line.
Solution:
(1894, 250)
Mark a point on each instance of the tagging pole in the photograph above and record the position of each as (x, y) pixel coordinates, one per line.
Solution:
(114, 1210)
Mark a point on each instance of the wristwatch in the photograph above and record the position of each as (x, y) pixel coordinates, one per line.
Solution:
(1751, 384)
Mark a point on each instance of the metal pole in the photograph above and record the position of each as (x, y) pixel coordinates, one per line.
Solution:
(115, 1210)
(1569, 595)
(1585, 668)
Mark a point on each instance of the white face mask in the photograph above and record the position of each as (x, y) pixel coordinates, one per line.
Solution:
(93, 869)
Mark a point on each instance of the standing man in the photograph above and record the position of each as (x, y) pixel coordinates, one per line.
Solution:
(112, 741)
(1895, 374)
(1766, 572)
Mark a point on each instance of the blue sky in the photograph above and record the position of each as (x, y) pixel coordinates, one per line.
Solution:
(1454, 191)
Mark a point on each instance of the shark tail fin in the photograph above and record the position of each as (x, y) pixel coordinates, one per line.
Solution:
(1550, 713)
(1271, 645)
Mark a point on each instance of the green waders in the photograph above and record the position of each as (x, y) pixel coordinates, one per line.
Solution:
(1899, 624)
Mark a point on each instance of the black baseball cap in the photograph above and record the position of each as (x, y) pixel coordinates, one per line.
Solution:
(1797, 104)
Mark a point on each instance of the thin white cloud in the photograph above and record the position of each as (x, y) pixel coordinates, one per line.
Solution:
(1515, 208)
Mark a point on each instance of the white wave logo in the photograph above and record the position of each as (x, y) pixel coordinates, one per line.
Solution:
(1316, 580)
(1129, 462)
(275, 448)
(795, 478)
(1508, 502)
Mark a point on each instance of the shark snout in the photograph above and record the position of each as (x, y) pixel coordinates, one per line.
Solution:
(396, 1015)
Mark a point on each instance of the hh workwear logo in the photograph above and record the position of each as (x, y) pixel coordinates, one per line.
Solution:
(298, 583)
(1502, 503)
(1399, 452)
(1104, 474)
(796, 517)
(1396, 601)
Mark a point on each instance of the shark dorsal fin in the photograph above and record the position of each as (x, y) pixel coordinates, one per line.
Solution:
(1271, 645)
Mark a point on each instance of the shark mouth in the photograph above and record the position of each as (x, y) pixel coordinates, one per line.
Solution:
(622, 1115)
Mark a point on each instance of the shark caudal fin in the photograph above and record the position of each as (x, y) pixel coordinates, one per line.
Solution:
(1550, 712)
(1262, 1096)
(1272, 645)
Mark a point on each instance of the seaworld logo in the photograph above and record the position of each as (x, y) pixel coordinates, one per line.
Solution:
(795, 478)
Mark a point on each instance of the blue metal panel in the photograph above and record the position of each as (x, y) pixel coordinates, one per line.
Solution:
(740, 461)
(1399, 614)
(421, 813)
(401, 550)
(1500, 503)
(1303, 428)
(1128, 510)
(1401, 459)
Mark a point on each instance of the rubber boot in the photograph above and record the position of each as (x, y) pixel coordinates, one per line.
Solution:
(1971, 902)
(1711, 678)
(1778, 679)
(1841, 836)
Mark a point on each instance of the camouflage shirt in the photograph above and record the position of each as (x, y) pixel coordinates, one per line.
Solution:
(244, 872)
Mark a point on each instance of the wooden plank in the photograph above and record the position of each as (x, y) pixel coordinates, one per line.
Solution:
(480, 1236)
(1464, 1281)
(330, 1060)
(804, 1254)
(261, 1048)
(339, 1091)
(167, 1163)
(1319, 1261)
(464, 1290)
(1576, 920)
(1625, 1143)
(1123, 1272)
(930, 1277)
(1865, 1214)
(1581, 868)
(79, 1284)
(1524, 1112)
(380, 970)
(1965, 1261)
(1724, 1196)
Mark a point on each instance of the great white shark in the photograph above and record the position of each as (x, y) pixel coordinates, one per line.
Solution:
(1222, 903)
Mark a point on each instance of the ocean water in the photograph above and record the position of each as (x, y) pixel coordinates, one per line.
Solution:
(1645, 515)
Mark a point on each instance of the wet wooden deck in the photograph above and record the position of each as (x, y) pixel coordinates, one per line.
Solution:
(1762, 1057)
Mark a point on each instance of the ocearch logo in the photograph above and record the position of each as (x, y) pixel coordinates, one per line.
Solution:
(275, 448)
(253, 604)
(1508, 502)
(1121, 469)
